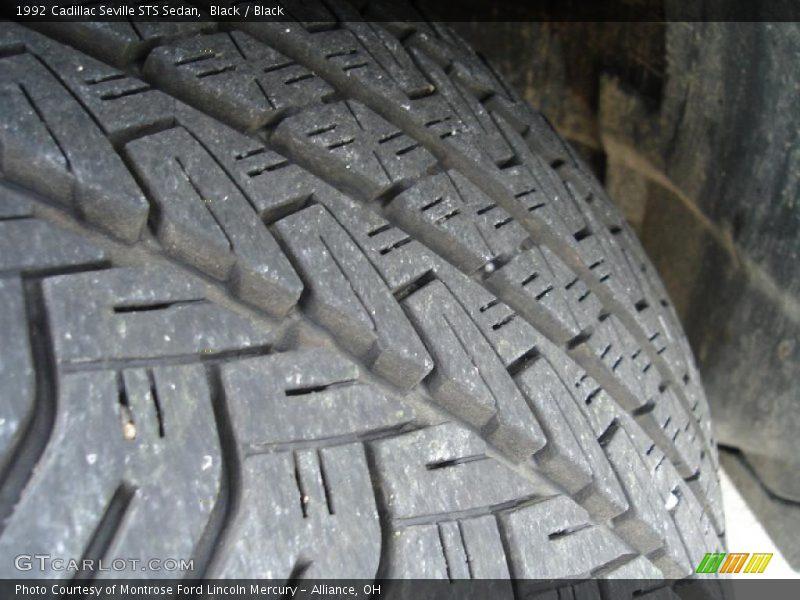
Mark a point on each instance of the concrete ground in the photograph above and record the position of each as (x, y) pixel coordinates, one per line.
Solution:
(745, 533)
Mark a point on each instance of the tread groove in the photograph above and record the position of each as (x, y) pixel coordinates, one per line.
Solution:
(36, 435)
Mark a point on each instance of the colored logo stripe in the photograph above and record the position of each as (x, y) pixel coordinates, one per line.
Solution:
(758, 563)
(711, 562)
(734, 562)
(714, 562)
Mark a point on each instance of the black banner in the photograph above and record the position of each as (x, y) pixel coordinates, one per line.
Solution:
(434, 10)
(348, 589)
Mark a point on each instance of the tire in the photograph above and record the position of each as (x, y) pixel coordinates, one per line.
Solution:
(321, 301)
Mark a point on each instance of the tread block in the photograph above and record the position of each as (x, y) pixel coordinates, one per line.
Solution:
(272, 184)
(400, 259)
(483, 139)
(707, 487)
(484, 549)
(632, 281)
(554, 538)
(176, 434)
(206, 221)
(454, 549)
(34, 245)
(122, 105)
(646, 524)
(14, 205)
(573, 445)
(234, 77)
(16, 368)
(680, 428)
(409, 544)
(433, 210)
(29, 149)
(529, 283)
(453, 54)
(561, 458)
(141, 312)
(448, 113)
(693, 525)
(277, 187)
(613, 344)
(537, 189)
(50, 144)
(122, 42)
(354, 145)
(456, 220)
(638, 568)
(376, 47)
(362, 52)
(511, 336)
(582, 302)
(477, 77)
(87, 402)
(469, 379)
(348, 297)
(462, 549)
(284, 525)
(305, 396)
(502, 233)
(427, 475)
(123, 489)
(685, 509)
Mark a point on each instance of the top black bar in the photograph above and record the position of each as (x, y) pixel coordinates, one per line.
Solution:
(389, 10)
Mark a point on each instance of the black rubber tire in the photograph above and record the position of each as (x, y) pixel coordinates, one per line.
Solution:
(326, 300)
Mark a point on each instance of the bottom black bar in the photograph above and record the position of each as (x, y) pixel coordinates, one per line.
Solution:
(418, 589)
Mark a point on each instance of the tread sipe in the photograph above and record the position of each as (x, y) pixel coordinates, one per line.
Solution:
(327, 300)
